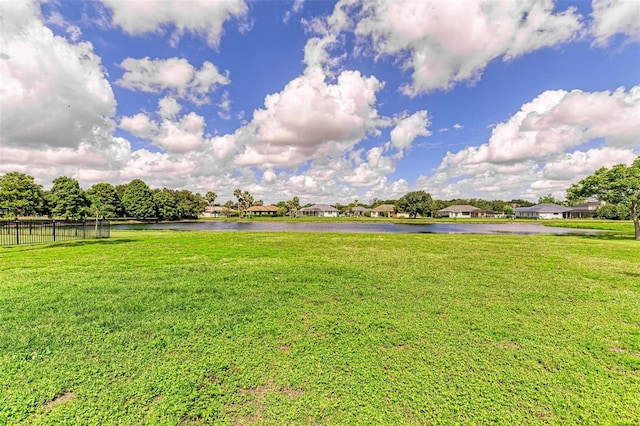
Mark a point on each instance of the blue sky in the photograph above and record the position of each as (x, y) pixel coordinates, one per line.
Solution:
(327, 101)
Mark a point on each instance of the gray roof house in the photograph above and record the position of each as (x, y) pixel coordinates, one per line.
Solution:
(319, 210)
(542, 211)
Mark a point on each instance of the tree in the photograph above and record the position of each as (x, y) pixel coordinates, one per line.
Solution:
(508, 210)
(549, 199)
(415, 203)
(293, 205)
(67, 199)
(619, 185)
(138, 200)
(245, 200)
(188, 204)
(228, 208)
(165, 204)
(211, 197)
(104, 200)
(120, 189)
(616, 212)
(20, 195)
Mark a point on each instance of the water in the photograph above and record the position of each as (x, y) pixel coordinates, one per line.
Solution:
(364, 227)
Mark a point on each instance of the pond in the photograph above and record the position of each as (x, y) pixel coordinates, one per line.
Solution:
(363, 227)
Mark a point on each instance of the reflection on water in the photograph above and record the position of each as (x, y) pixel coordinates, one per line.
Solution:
(368, 227)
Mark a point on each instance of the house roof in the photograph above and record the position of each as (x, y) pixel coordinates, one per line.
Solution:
(360, 209)
(213, 209)
(588, 206)
(385, 208)
(269, 208)
(459, 208)
(544, 208)
(320, 207)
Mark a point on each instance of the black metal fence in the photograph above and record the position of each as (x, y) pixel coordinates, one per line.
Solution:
(19, 232)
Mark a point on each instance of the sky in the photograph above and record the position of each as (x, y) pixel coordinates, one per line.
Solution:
(329, 101)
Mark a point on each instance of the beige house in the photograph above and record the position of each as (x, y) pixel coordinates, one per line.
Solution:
(384, 210)
(462, 211)
(261, 211)
(217, 211)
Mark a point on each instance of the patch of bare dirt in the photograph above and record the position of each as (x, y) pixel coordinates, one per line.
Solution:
(285, 348)
(61, 399)
(623, 351)
(509, 345)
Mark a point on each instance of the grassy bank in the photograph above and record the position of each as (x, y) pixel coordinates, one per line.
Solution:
(274, 328)
(623, 227)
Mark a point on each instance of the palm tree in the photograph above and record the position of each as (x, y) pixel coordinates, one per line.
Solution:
(293, 205)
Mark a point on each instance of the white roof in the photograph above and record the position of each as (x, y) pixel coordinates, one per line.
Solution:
(544, 208)
(321, 207)
(459, 208)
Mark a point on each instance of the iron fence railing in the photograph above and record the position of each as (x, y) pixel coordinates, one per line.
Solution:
(19, 232)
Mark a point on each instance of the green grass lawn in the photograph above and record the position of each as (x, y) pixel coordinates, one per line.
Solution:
(299, 328)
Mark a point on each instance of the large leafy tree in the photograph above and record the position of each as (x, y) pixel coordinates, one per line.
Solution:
(120, 189)
(20, 195)
(619, 185)
(104, 200)
(189, 205)
(67, 199)
(415, 203)
(165, 204)
(138, 200)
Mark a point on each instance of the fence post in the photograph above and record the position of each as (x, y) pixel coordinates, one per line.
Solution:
(84, 229)
(54, 229)
(17, 232)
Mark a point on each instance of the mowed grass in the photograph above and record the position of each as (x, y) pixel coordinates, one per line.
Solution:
(300, 328)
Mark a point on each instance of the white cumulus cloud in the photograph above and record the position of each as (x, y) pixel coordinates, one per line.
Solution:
(530, 153)
(204, 18)
(171, 133)
(54, 92)
(409, 128)
(612, 17)
(444, 43)
(175, 75)
(311, 117)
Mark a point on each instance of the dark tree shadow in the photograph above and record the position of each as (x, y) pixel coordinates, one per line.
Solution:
(70, 243)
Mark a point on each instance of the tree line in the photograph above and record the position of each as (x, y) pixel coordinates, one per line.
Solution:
(21, 196)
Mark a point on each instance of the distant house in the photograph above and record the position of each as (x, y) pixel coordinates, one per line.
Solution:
(384, 210)
(262, 210)
(359, 211)
(463, 211)
(585, 210)
(319, 210)
(542, 211)
(215, 211)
